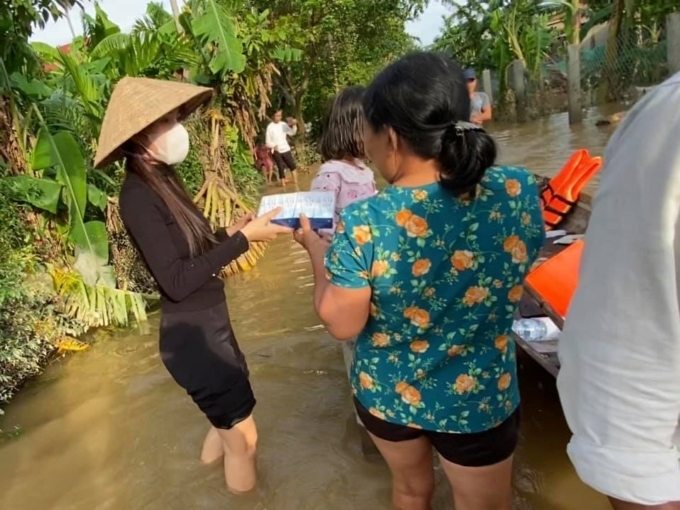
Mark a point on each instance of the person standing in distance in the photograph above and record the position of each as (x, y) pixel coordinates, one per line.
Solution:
(480, 105)
(277, 141)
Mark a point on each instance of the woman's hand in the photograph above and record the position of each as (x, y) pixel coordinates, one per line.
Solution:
(240, 224)
(262, 229)
(307, 237)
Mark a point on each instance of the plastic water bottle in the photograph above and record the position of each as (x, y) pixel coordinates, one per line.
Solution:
(537, 329)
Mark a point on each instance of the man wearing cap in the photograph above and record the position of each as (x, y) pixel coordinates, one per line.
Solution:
(619, 381)
(480, 105)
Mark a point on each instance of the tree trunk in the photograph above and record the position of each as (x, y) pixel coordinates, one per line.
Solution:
(10, 148)
(609, 89)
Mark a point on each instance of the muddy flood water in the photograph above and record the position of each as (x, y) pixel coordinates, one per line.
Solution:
(107, 429)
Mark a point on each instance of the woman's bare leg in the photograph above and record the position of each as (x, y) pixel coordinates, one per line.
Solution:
(240, 446)
(213, 449)
(622, 505)
(410, 463)
(480, 488)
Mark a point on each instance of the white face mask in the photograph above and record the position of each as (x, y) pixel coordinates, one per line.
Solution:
(172, 146)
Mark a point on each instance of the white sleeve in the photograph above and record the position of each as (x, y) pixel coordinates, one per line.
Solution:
(269, 137)
(290, 131)
(619, 380)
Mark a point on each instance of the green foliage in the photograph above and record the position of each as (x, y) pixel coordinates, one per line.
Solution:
(492, 34)
(215, 30)
(29, 318)
(18, 19)
(344, 42)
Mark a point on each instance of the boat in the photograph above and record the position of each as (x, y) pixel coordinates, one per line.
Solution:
(533, 304)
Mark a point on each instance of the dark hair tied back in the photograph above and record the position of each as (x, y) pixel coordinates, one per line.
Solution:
(424, 98)
(466, 152)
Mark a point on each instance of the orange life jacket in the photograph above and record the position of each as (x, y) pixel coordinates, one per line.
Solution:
(558, 180)
(555, 280)
(562, 191)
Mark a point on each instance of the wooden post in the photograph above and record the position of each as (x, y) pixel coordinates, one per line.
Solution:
(673, 40)
(519, 89)
(486, 84)
(574, 83)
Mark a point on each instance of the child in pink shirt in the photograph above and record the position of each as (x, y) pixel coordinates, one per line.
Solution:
(343, 172)
(342, 148)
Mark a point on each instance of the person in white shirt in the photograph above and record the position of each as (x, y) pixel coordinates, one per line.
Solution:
(277, 141)
(619, 381)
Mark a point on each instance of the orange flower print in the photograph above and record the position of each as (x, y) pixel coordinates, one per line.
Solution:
(379, 268)
(419, 346)
(455, 350)
(515, 294)
(429, 292)
(420, 373)
(380, 340)
(402, 217)
(526, 219)
(409, 394)
(475, 295)
(396, 257)
(416, 226)
(362, 234)
(340, 227)
(513, 187)
(366, 381)
(501, 343)
(400, 387)
(516, 247)
(504, 382)
(376, 413)
(462, 259)
(421, 267)
(418, 316)
(464, 384)
(373, 310)
(419, 195)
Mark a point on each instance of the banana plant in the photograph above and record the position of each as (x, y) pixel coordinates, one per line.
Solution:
(215, 30)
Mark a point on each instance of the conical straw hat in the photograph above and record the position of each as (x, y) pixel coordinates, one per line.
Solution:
(135, 104)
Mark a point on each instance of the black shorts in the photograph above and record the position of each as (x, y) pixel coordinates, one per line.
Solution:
(471, 450)
(201, 353)
(283, 160)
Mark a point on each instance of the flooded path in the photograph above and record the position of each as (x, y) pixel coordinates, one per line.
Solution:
(109, 430)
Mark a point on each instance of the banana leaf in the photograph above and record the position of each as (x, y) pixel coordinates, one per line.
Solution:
(61, 151)
(40, 193)
(214, 27)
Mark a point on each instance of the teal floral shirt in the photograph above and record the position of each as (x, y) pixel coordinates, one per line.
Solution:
(446, 278)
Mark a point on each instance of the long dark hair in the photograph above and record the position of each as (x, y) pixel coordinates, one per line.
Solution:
(165, 182)
(423, 96)
(342, 134)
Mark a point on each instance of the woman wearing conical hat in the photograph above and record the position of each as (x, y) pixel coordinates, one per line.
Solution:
(185, 257)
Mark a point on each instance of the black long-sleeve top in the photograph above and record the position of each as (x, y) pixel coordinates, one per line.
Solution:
(185, 283)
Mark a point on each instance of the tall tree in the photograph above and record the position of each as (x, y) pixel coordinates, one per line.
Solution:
(343, 42)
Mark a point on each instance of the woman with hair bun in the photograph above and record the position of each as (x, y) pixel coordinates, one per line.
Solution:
(428, 273)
